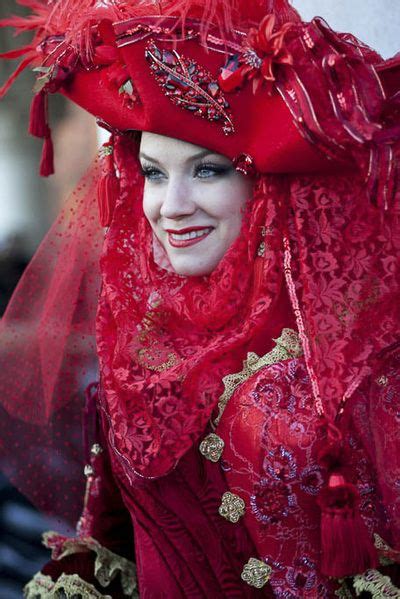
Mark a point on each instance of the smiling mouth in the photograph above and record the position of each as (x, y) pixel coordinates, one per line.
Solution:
(187, 237)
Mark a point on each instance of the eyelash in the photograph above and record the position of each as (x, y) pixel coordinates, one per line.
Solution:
(153, 174)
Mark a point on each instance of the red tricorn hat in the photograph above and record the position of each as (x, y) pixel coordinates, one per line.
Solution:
(164, 81)
(272, 93)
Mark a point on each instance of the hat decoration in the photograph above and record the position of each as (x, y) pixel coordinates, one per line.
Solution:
(264, 50)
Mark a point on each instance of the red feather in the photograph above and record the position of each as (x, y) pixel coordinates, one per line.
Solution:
(74, 19)
(21, 67)
(17, 53)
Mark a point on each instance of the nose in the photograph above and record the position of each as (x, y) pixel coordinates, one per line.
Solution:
(178, 201)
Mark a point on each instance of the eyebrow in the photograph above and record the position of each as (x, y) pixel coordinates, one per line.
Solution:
(191, 158)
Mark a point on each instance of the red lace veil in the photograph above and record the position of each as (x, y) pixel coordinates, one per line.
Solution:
(330, 264)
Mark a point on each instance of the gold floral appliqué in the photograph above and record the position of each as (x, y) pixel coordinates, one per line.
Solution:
(256, 573)
(232, 507)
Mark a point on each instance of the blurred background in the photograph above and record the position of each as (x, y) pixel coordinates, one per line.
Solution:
(28, 205)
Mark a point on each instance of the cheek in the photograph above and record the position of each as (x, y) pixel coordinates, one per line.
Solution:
(231, 205)
(151, 206)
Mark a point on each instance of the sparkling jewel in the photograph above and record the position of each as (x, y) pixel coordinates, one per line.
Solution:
(252, 58)
(96, 449)
(212, 447)
(232, 507)
(256, 573)
(261, 249)
(88, 470)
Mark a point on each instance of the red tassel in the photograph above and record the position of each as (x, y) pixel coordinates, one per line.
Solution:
(47, 161)
(38, 126)
(107, 190)
(346, 545)
(258, 274)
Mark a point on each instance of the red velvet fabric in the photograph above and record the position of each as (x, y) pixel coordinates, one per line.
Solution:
(271, 460)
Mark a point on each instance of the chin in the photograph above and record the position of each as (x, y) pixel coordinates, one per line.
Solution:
(186, 268)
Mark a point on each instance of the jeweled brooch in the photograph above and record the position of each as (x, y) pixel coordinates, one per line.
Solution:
(189, 85)
(212, 447)
(232, 507)
(256, 573)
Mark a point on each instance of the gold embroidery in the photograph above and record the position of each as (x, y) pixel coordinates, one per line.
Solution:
(107, 566)
(347, 312)
(382, 380)
(68, 586)
(377, 584)
(387, 555)
(343, 592)
(232, 507)
(151, 353)
(148, 359)
(256, 573)
(212, 447)
(287, 346)
(40, 586)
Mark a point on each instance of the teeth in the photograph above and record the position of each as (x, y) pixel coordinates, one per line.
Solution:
(190, 235)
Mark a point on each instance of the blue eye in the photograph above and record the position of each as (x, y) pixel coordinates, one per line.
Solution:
(205, 171)
(152, 174)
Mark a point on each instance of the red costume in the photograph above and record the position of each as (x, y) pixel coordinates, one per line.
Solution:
(244, 431)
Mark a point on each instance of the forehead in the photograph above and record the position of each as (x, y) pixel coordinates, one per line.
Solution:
(169, 149)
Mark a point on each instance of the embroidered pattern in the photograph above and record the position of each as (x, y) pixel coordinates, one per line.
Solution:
(287, 346)
(189, 86)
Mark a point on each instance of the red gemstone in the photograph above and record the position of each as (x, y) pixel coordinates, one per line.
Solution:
(168, 58)
(213, 88)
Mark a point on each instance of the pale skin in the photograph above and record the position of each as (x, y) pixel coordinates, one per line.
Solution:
(194, 200)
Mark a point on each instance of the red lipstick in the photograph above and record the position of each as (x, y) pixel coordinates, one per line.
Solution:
(182, 238)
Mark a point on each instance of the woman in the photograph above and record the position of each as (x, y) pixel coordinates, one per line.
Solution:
(242, 440)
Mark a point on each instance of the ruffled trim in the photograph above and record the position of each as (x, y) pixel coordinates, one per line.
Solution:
(287, 346)
(377, 584)
(107, 566)
(68, 586)
(344, 592)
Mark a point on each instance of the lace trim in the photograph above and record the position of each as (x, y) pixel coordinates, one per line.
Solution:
(287, 346)
(387, 555)
(343, 592)
(107, 564)
(377, 584)
(68, 586)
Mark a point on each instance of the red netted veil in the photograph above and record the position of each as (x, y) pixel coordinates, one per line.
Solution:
(48, 358)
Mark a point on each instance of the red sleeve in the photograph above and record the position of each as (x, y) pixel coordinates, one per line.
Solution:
(101, 555)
